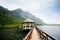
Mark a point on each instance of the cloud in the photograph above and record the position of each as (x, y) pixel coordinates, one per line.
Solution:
(27, 4)
(47, 10)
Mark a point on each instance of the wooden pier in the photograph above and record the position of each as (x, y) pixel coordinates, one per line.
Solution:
(34, 33)
(37, 34)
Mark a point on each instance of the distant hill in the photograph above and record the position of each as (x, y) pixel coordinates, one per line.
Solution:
(25, 15)
(15, 16)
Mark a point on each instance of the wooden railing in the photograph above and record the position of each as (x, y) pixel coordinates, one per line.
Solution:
(44, 36)
(28, 36)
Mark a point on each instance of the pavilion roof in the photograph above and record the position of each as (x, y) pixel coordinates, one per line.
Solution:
(28, 20)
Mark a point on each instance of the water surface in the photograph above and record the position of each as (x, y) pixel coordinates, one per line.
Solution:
(51, 30)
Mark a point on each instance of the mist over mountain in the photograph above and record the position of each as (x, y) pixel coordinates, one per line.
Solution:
(15, 16)
(26, 15)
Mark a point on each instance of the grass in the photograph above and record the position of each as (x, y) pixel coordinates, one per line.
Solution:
(12, 33)
(12, 25)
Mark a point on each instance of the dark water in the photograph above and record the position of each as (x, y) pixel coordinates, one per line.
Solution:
(12, 33)
(51, 30)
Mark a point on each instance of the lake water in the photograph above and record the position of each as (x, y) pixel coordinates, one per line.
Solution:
(51, 30)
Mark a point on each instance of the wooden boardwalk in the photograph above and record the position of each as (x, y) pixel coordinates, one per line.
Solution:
(35, 35)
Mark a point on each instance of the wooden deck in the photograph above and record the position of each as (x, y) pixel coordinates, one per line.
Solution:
(36, 34)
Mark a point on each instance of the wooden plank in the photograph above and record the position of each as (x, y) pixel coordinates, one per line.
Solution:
(35, 35)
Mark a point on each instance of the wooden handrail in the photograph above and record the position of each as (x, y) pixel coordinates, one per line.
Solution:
(44, 35)
(28, 36)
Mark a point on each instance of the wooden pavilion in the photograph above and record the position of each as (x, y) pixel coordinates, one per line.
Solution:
(28, 24)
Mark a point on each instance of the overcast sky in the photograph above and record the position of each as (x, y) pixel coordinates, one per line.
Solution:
(47, 10)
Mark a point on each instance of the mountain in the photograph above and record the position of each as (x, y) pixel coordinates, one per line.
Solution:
(3, 16)
(8, 17)
(26, 15)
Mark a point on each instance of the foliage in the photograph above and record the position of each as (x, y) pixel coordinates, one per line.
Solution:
(8, 18)
(15, 17)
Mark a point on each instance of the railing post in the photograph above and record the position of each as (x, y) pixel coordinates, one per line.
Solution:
(44, 36)
(28, 36)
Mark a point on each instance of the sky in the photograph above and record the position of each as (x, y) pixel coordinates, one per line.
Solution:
(46, 10)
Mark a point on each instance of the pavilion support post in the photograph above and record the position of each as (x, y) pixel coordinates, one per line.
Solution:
(28, 24)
